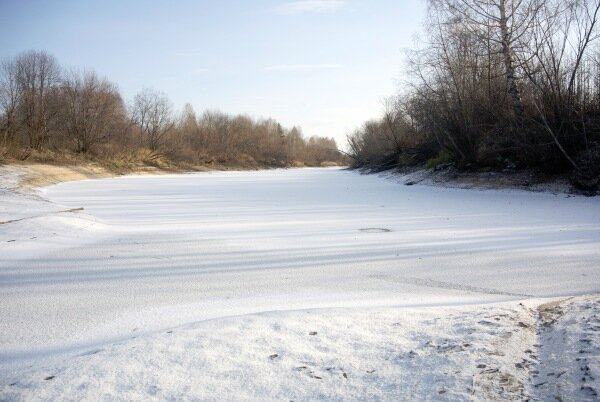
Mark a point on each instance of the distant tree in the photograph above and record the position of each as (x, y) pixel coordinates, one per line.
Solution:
(152, 111)
(90, 109)
(295, 142)
(44, 109)
(188, 121)
(38, 75)
(214, 128)
(10, 97)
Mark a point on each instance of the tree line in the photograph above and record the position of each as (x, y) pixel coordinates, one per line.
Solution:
(500, 84)
(47, 112)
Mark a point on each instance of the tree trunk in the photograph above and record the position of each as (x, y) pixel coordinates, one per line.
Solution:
(513, 89)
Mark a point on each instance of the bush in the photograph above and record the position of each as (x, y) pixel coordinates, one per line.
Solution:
(586, 177)
(444, 158)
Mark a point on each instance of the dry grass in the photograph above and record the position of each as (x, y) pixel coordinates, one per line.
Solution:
(39, 174)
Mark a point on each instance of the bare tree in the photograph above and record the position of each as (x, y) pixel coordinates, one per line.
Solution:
(10, 96)
(498, 83)
(152, 111)
(503, 23)
(188, 121)
(559, 68)
(41, 110)
(38, 75)
(90, 109)
(295, 141)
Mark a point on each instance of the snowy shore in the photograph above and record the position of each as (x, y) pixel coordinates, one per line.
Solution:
(295, 284)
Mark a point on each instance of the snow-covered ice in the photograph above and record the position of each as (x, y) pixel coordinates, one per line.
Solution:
(185, 285)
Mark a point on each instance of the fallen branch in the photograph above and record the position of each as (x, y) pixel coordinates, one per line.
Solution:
(39, 216)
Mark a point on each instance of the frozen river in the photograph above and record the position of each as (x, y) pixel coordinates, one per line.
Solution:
(167, 250)
(156, 252)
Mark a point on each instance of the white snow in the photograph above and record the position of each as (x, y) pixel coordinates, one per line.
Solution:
(243, 265)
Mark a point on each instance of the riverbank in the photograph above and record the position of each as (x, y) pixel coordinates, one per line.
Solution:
(450, 177)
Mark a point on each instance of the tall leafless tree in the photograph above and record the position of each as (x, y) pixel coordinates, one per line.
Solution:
(10, 97)
(38, 75)
(152, 111)
(502, 24)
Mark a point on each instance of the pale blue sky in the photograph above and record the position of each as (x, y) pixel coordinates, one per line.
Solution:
(325, 65)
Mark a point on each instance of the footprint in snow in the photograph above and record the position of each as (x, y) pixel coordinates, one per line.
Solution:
(153, 389)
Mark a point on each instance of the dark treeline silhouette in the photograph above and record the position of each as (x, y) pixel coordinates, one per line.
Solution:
(49, 114)
(501, 84)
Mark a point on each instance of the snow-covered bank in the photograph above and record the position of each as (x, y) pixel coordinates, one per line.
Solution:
(485, 352)
(391, 354)
(157, 254)
(451, 177)
(31, 225)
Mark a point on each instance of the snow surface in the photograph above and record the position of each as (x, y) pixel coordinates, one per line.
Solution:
(570, 350)
(213, 273)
